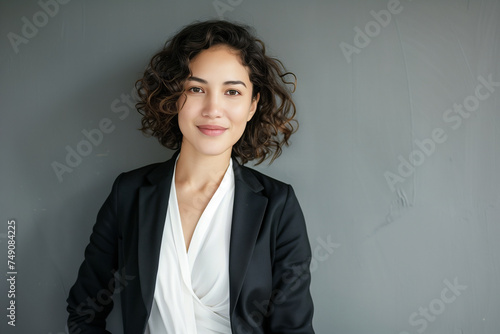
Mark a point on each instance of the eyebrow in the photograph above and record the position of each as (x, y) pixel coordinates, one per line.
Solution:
(231, 82)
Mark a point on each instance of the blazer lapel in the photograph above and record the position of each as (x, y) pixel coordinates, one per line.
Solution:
(248, 212)
(153, 202)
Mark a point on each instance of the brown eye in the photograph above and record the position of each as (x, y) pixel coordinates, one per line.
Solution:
(195, 90)
(233, 92)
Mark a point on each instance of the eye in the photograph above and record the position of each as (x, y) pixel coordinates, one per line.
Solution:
(195, 90)
(233, 92)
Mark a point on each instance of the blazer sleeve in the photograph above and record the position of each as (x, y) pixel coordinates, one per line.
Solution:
(90, 299)
(292, 302)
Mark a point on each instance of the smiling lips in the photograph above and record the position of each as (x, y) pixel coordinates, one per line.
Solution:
(212, 130)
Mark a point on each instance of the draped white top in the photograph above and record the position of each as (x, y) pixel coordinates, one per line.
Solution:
(192, 288)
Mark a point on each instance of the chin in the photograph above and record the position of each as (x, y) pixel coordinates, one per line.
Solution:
(213, 151)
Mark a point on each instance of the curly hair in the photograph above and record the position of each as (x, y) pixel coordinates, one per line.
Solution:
(163, 83)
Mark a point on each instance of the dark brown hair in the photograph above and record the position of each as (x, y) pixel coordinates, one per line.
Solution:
(163, 83)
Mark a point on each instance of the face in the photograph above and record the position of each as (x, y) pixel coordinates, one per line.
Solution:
(217, 103)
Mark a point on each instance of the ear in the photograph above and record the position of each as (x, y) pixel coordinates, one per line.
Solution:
(253, 106)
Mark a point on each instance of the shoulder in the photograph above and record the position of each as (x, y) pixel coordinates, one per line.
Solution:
(141, 172)
(146, 175)
(264, 179)
(260, 182)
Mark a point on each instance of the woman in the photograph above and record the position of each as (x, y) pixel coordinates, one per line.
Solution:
(200, 243)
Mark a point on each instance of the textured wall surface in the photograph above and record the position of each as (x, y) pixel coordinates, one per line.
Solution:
(396, 162)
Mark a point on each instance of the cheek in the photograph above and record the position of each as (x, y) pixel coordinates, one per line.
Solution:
(240, 116)
(183, 119)
(180, 102)
(240, 123)
(241, 112)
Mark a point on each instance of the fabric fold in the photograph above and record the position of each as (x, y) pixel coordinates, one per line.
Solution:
(192, 287)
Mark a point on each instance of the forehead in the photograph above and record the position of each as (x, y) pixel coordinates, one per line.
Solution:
(223, 48)
(218, 58)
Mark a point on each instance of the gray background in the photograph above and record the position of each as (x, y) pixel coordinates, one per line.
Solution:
(391, 251)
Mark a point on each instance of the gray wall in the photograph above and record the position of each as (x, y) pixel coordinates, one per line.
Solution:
(395, 164)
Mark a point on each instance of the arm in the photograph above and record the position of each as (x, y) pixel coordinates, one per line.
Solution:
(90, 298)
(292, 303)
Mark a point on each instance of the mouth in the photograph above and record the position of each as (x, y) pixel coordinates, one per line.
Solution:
(212, 130)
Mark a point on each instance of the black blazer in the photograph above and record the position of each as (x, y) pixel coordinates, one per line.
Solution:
(268, 261)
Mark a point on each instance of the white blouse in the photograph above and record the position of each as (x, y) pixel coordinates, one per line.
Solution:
(192, 288)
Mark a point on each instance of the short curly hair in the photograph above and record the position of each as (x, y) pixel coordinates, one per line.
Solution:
(163, 83)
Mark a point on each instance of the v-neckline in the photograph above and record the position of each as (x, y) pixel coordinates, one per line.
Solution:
(201, 227)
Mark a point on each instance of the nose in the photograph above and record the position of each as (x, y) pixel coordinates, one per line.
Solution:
(213, 106)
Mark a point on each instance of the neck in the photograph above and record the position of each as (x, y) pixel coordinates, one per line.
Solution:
(198, 171)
